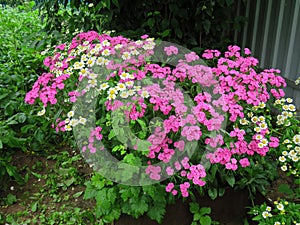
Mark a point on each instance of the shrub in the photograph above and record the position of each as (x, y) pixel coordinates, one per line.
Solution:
(197, 24)
(145, 112)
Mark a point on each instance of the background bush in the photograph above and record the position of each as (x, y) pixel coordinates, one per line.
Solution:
(195, 24)
(20, 65)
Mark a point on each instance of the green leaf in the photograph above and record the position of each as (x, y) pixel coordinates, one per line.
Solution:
(230, 180)
(221, 192)
(205, 210)
(111, 134)
(157, 212)
(205, 220)
(213, 193)
(116, 3)
(69, 182)
(34, 206)
(76, 195)
(194, 207)
(22, 117)
(197, 216)
(139, 205)
(1, 144)
(11, 199)
(37, 175)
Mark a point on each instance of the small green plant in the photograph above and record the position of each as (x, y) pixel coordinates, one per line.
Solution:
(201, 215)
(283, 212)
(112, 200)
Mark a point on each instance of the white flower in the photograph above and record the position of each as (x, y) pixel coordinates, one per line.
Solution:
(92, 76)
(258, 137)
(112, 91)
(145, 94)
(263, 126)
(296, 139)
(129, 83)
(91, 5)
(284, 168)
(42, 112)
(106, 52)
(104, 86)
(121, 87)
(254, 119)
(118, 46)
(70, 114)
(82, 120)
(93, 82)
(124, 94)
(244, 121)
(295, 158)
(292, 107)
(126, 55)
(68, 127)
(285, 107)
(282, 159)
(74, 122)
(265, 214)
(268, 208)
(262, 105)
(264, 142)
(131, 92)
(257, 129)
(105, 43)
(91, 61)
(280, 207)
(111, 97)
(124, 76)
(289, 100)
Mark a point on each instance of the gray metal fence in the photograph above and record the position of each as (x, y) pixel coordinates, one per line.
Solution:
(273, 34)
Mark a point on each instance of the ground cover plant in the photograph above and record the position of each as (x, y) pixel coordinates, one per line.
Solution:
(221, 116)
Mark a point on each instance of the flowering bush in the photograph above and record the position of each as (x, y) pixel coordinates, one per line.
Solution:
(161, 113)
(283, 212)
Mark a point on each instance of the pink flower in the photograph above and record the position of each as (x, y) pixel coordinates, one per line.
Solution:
(170, 171)
(179, 145)
(244, 162)
(171, 50)
(61, 47)
(191, 133)
(174, 192)
(190, 57)
(247, 51)
(169, 187)
(144, 36)
(177, 165)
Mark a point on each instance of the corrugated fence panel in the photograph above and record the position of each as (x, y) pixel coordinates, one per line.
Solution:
(273, 34)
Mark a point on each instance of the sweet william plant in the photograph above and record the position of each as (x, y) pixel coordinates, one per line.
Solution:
(215, 119)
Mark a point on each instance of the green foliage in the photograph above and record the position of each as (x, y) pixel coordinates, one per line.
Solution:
(20, 65)
(201, 215)
(283, 212)
(112, 200)
(196, 24)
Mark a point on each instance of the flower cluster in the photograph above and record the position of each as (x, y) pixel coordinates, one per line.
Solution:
(119, 73)
(283, 212)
